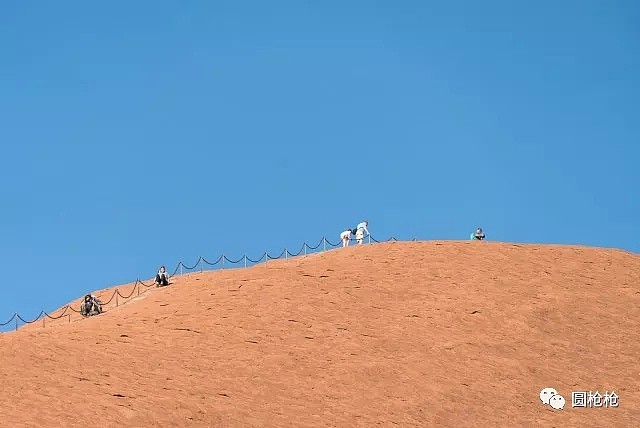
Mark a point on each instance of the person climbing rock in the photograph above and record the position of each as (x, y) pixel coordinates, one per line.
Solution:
(361, 230)
(345, 237)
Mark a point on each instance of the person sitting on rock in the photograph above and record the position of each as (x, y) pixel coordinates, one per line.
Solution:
(162, 279)
(478, 234)
(90, 306)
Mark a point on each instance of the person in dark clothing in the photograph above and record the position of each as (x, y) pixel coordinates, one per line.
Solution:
(90, 306)
(162, 279)
(479, 234)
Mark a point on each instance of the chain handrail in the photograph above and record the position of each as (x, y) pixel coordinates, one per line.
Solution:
(201, 261)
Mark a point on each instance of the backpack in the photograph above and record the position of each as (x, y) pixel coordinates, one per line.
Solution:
(354, 231)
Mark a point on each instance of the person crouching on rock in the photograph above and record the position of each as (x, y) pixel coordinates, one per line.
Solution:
(162, 279)
(479, 234)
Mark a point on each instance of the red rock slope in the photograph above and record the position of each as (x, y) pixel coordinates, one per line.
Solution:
(397, 334)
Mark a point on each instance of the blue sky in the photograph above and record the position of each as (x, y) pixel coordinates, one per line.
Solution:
(143, 133)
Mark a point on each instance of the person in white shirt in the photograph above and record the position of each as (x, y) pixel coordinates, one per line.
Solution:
(162, 279)
(361, 229)
(345, 236)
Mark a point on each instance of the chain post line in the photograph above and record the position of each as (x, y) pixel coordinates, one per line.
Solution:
(201, 261)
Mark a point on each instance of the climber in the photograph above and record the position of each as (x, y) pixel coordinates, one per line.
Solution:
(361, 229)
(90, 306)
(345, 237)
(478, 235)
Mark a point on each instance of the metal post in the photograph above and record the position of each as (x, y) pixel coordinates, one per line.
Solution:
(138, 288)
(324, 244)
(305, 248)
(181, 268)
(201, 264)
(285, 253)
(69, 318)
(16, 323)
(369, 238)
(222, 259)
(266, 257)
(245, 260)
(43, 321)
(116, 297)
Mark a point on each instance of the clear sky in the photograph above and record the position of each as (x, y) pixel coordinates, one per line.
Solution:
(139, 133)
